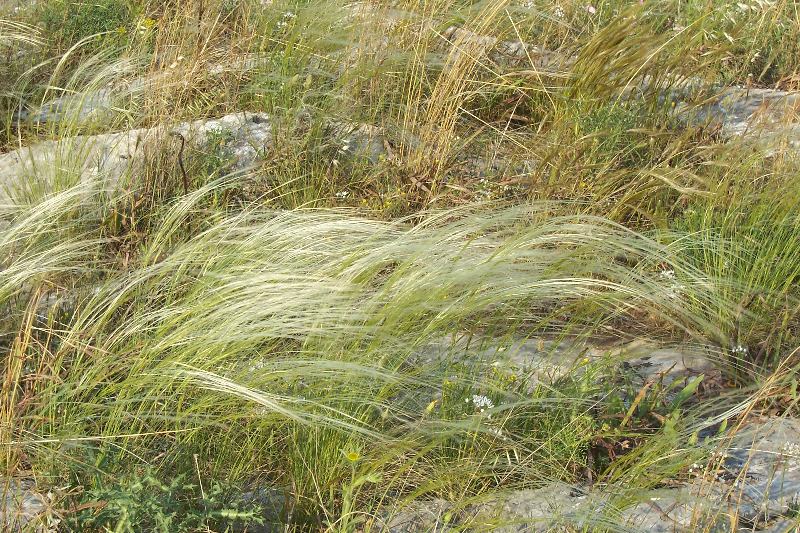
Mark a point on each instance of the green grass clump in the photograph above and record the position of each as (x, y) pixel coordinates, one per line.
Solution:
(197, 334)
(751, 243)
(68, 22)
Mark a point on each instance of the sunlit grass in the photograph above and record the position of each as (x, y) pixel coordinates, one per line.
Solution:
(328, 323)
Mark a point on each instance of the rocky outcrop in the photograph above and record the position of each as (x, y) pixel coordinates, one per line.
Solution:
(108, 158)
(753, 484)
(22, 508)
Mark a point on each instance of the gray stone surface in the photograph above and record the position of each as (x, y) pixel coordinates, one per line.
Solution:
(549, 508)
(417, 516)
(504, 52)
(549, 359)
(759, 113)
(543, 509)
(107, 158)
(761, 488)
(21, 506)
(740, 111)
(539, 359)
(682, 509)
(72, 108)
(272, 502)
(766, 115)
(100, 105)
(359, 141)
(761, 493)
(767, 456)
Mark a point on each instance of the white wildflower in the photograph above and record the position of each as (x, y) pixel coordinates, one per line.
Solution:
(792, 450)
(497, 432)
(341, 195)
(287, 18)
(675, 289)
(739, 350)
(482, 402)
(667, 274)
(591, 9)
(558, 12)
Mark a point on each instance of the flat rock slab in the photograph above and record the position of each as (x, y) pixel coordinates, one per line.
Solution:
(767, 456)
(547, 360)
(21, 505)
(107, 158)
(761, 495)
(93, 106)
(433, 515)
(762, 469)
(525, 510)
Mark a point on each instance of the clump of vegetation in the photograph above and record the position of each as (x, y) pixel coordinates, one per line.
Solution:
(142, 502)
(69, 22)
(333, 321)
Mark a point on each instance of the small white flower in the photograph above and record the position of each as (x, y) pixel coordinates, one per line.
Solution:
(497, 432)
(482, 402)
(667, 274)
(342, 194)
(286, 19)
(792, 450)
(591, 9)
(739, 350)
(558, 12)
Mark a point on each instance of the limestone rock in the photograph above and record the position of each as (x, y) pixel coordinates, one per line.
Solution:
(107, 158)
(418, 516)
(73, 108)
(767, 456)
(21, 505)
